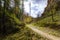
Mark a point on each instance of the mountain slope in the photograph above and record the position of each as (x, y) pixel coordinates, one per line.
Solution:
(46, 23)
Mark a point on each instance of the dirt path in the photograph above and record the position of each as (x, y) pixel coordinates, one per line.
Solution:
(46, 35)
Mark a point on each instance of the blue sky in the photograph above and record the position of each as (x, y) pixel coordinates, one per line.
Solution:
(37, 7)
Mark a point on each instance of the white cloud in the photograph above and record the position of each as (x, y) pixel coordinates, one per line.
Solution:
(36, 7)
(12, 3)
(26, 7)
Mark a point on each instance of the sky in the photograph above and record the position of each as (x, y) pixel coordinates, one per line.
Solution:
(37, 7)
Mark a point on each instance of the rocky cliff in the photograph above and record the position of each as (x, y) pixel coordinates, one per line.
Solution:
(53, 5)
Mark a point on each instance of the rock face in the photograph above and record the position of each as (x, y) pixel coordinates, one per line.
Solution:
(52, 5)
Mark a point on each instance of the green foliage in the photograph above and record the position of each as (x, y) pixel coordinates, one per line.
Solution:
(27, 19)
(46, 22)
(49, 19)
(58, 6)
(48, 26)
(24, 34)
(10, 24)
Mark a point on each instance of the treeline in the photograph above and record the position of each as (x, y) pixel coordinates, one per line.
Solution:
(51, 9)
(10, 14)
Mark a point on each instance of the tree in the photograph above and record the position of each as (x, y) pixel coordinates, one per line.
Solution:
(22, 10)
(0, 5)
(5, 16)
(53, 11)
(6, 8)
(16, 8)
(6, 4)
(30, 6)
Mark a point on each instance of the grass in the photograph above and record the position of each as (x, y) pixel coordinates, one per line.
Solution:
(23, 34)
(47, 25)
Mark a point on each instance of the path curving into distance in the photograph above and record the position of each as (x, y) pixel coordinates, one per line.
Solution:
(43, 34)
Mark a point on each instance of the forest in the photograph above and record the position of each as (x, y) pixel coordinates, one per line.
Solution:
(29, 19)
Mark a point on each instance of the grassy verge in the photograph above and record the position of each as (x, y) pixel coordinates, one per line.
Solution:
(16, 30)
(24, 34)
(48, 26)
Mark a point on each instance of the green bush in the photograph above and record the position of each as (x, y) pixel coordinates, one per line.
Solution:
(9, 23)
(50, 24)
